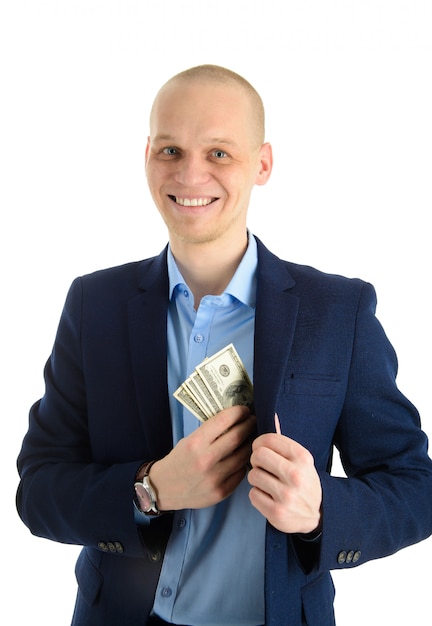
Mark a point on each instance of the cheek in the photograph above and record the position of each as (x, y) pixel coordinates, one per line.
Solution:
(154, 179)
(237, 185)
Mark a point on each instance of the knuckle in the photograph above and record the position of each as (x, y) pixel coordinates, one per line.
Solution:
(192, 447)
(305, 457)
(295, 478)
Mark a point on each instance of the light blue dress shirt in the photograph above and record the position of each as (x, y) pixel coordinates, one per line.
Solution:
(213, 570)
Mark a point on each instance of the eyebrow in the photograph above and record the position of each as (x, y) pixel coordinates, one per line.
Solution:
(163, 138)
(207, 140)
(220, 140)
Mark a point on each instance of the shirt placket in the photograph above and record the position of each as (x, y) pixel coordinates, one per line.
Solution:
(198, 349)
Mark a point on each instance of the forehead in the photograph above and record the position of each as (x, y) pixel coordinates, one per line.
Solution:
(202, 107)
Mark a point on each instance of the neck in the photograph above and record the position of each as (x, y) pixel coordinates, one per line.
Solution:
(208, 268)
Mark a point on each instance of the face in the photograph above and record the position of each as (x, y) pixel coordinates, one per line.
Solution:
(203, 158)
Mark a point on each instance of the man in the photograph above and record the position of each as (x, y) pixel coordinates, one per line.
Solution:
(236, 520)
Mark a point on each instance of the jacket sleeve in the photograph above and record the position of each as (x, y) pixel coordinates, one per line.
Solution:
(385, 502)
(66, 493)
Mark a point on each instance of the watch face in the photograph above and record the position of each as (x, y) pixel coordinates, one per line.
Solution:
(144, 502)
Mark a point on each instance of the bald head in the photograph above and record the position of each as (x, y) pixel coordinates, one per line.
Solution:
(217, 75)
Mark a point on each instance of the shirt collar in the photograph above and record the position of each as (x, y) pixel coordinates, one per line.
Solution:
(242, 285)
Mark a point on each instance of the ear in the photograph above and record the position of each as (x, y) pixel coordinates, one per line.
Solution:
(266, 164)
(147, 150)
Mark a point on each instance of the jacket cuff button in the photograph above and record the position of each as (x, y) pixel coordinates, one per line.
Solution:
(341, 558)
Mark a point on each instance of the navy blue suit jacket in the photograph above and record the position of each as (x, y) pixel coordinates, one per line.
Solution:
(322, 362)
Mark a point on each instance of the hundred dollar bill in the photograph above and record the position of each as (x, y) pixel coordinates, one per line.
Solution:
(226, 378)
(202, 394)
(184, 396)
(217, 383)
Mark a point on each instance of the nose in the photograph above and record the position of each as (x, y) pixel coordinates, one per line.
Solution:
(192, 171)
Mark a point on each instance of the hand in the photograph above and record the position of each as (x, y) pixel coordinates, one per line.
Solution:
(205, 467)
(286, 487)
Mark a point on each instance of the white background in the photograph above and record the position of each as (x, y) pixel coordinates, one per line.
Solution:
(347, 89)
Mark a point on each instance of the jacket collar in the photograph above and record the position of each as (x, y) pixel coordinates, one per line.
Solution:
(276, 313)
(147, 313)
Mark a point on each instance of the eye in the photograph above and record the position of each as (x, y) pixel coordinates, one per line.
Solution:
(219, 154)
(170, 150)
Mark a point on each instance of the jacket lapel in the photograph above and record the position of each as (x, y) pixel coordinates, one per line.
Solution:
(148, 347)
(276, 314)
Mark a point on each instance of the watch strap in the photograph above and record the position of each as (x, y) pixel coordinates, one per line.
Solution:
(143, 470)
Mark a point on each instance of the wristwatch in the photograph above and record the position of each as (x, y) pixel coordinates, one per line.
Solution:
(145, 496)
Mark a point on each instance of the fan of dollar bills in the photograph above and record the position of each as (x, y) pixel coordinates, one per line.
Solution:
(217, 383)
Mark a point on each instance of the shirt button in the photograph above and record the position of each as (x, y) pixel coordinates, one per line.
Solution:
(186, 293)
(166, 592)
(198, 338)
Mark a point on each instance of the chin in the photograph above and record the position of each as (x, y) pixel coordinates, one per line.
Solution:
(190, 233)
(198, 239)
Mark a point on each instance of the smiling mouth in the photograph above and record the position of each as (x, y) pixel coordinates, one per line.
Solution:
(192, 201)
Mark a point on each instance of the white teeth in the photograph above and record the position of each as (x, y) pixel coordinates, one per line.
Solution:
(193, 201)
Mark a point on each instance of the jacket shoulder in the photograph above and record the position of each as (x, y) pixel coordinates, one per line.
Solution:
(125, 278)
(121, 272)
(300, 278)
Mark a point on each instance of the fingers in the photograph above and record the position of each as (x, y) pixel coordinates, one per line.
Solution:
(222, 422)
(282, 445)
(206, 466)
(286, 488)
(241, 431)
(220, 437)
(280, 458)
(226, 435)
